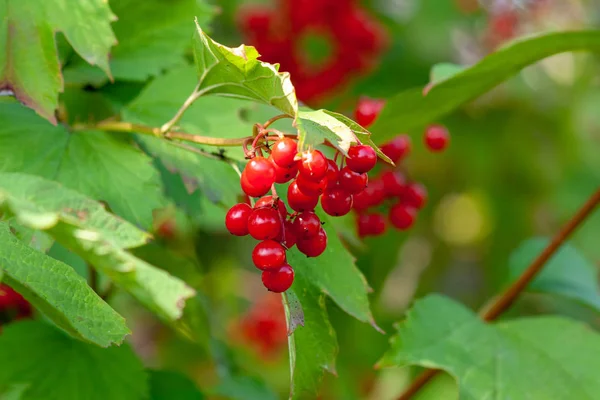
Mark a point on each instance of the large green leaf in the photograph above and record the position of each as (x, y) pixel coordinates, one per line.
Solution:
(29, 65)
(86, 228)
(103, 166)
(412, 109)
(170, 385)
(236, 72)
(567, 273)
(59, 292)
(531, 358)
(52, 366)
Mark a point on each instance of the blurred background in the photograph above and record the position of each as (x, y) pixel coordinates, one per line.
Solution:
(521, 160)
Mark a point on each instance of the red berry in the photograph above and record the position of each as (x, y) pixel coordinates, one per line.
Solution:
(267, 201)
(278, 280)
(260, 173)
(236, 219)
(397, 148)
(264, 223)
(283, 175)
(313, 246)
(361, 158)
(353, 182)
(333, 173)
(371, 225)
(393, 183)
(402, 216)
(287, 236)
(311, 188)
(251, 190)
(415, 195)
(373, 195)
(336, 202)
(436, 137)
(307, 224)
(268, 254)
(313, 165)
(367, 110)
(283, 152)
(298, 201)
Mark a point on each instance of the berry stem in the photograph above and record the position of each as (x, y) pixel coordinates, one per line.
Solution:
(275, 118)
(508, 297)
(186, 104)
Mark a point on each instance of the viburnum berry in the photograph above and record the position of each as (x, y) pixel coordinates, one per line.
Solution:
(351, 181)
(298, 201)
(397, 148)
(278, 280)
(371, 225)
(393, 183)
(415, 195)
(372, 196)
(307, 224)
(313, 165)
(402, 216)
(313, 246)
(367, 110)
(268, 254)
(236, 219)
(287, 236)
(267, 201)
(361, 158)
(249, 189)
(309, 187)
(436, 137)
(260, 174)
(332, 173)
(336, 201)
(264, 223)
(283, 152)
(12, 301)
(283, 175)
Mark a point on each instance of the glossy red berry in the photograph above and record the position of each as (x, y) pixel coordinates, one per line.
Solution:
(313, 165)
(264, 223)
(393, 183)
(436, 137)
(298, 201)
(367, 110)
(373, 195)
(267, 201)
(283, 175)
(402, 216)
(336, 201)
(283, 152)
(351, 181)
(313, 246)
(333, 173)
(236, 219)
(251, 190)
(260, 173)
(306, 224)
(361, 158)
(415, 195)
(309, 187)
(278, 280)
(371, 225)
(287, 236)
(268, 254)
(397, 148)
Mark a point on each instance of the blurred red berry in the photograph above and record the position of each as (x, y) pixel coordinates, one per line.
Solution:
(415, 195)
(436, 137)
(397, 148)
(402, 216)
(367, 110)
(371, 225)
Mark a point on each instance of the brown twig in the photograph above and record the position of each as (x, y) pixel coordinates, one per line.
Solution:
(508, 297)
(275, 118)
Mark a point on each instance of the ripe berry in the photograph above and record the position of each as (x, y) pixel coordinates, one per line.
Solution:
(393, 183)
(287, 236)
(373, 195)
(278, 280)
(268, 254)
(311, 188)
(371, 225)
(298, 201)
(283, 152)
(367, 110)
(251, 190)
(236, 219)
(313, 246)
(307, 224)
(267, 201)
(336, 202)
(283, 175)
(353, 182)
(397, 148)
(333, 173)
(260, 173)
(402, 216)
(313, 165)
(264, 223)
(415, 195)
(436, 137)
(361, 158)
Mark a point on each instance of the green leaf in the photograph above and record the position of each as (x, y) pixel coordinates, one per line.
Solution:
(313, 347)
(412, 109)
(527, 358)
(170, 385)
(53, 366)
(236, 72)
(84, 227)
(243, 388)
(103, 166)
(28, 57)
(567, 273)
(59, 292)
(443, 71)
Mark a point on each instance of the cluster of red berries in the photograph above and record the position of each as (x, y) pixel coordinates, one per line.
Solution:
(12, 305)
(391, 187)
(313, 177)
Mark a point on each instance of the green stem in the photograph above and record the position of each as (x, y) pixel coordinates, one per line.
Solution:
(186, 104)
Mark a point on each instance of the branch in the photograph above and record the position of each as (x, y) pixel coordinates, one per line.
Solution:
(508, 297)
(186, 104)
